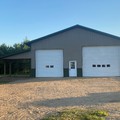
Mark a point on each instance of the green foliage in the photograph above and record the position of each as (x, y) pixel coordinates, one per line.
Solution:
(21, 67)
(100, 113)
(16, 48)
(4, 82)
(77, 114)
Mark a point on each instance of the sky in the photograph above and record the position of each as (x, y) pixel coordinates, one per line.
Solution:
(36, 18)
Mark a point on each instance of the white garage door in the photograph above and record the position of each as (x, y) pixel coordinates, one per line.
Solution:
(49, 63)
(101, 61)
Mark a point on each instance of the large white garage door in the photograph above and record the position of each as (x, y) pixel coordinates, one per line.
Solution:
(49, 63)
(101, 61)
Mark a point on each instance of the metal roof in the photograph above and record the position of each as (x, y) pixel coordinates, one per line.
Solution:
(73, 27)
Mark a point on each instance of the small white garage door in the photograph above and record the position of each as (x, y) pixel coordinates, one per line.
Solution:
(49, 63)
(101, 61)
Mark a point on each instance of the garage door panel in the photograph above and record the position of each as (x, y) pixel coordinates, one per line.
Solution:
(49, 63)
(101, 61)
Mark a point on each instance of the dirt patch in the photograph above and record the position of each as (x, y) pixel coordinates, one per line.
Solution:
(31, 99)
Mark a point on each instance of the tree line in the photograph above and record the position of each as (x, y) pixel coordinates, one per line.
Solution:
(16, 48)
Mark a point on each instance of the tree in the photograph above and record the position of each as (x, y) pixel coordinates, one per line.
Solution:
(3, 50)
(24, 45)
(16, 48)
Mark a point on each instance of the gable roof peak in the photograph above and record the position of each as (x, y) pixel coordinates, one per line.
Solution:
(73, 27)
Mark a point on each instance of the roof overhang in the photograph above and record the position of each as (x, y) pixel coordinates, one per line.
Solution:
(21, 55)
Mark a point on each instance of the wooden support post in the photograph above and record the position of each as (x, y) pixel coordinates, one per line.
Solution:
(4, 68)
(10, 68)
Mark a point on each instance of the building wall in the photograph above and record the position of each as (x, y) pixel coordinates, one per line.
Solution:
(71, 42)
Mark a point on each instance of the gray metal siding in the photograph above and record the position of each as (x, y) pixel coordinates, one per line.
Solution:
(26, 55)
(71, 42)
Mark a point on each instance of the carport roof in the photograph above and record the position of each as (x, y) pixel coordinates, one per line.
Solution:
(73, 27)
(18, 53)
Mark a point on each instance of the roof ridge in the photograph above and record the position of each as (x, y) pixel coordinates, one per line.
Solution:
(72, 27)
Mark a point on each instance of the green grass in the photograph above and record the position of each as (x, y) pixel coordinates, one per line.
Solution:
(4, 81)
(12, 78)
(77, 114)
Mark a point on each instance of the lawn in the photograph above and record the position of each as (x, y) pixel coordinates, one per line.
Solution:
(77, 114)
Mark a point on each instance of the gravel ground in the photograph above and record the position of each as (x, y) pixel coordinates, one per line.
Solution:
(31, 99)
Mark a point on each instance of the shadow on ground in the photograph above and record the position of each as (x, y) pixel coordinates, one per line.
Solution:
(90, 99)
(18, 80)
(27, 79)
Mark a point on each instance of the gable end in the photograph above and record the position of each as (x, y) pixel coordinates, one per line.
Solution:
(73, 27)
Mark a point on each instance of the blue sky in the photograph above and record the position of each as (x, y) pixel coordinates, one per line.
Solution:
(37, 18)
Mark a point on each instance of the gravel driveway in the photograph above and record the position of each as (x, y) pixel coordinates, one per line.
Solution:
(32, 98)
